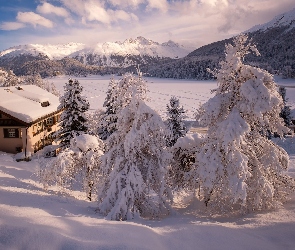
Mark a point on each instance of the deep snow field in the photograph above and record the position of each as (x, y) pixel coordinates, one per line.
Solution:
(190, 92)
(32, 218)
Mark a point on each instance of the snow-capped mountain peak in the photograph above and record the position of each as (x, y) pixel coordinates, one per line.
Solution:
(139, 46)
(140, 41)
(57, 51)
(285, 19)
(170, 44)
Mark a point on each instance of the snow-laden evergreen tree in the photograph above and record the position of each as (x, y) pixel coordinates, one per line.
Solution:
(37, 80)
(182, 173)
(76, 166)
(119, 95)
(236, 165)
(73, 118)
(135, 163)
(109, 118)
(286, 111)
(175, 123)
(94, 121)
(8, 78)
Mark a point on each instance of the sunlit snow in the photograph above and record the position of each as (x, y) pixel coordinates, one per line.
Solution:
(32, 218)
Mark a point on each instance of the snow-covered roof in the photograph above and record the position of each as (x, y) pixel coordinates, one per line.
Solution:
(24, 102)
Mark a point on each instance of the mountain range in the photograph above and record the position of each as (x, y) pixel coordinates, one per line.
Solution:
(274, 40)
(101, 57)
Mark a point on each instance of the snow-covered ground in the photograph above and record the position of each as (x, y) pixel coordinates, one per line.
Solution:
(31, 218)
(190, 92)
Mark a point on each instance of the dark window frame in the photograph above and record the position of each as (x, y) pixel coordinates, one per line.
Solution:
(11, 133)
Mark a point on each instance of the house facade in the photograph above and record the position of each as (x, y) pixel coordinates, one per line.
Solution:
(28, 118)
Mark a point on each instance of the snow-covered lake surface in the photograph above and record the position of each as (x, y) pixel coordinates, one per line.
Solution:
(31, 218)
(190, 92)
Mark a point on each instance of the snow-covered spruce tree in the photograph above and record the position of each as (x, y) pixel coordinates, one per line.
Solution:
(78, 165)
(37, 80)
(73, 118)
(135, 163)
(94, 121)
(8, 78)
(108, 120)
(175, 123)
(118, 97)
(286, 111)
(236, 165)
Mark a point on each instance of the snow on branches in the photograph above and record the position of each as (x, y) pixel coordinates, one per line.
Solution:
(119, 95)
(77, 165)
(135, 162)
(175, 123)
(236, 164)
(73, 119)
(286, 111)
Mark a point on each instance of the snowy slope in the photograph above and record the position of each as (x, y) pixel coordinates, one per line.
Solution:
(130, 47)
(57, 51)
(33, 218)
(285, 19)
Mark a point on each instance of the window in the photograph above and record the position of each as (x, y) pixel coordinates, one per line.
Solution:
(56, 118)
(0, 115)
(11, 133)
(49, 121)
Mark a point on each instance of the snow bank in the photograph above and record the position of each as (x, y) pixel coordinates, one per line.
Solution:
(32, 218)
(85, 142)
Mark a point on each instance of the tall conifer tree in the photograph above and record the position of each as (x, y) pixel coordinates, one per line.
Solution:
(175, 123)
(73, 118)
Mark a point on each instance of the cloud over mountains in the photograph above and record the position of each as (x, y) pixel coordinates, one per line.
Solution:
(197, 21)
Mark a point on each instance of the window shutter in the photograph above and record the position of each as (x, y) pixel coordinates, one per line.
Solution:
(6, 135)
(16, 133)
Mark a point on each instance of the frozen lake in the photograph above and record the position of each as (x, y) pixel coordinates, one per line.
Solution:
(191, 93)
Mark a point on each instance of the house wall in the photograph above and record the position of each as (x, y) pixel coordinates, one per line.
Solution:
(31, 138)
(9, 145)
(41, 133)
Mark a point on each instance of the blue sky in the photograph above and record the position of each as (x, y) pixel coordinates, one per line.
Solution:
(194, 22)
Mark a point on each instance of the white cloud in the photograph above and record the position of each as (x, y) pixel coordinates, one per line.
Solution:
(117, 15)
(95, 12)
(196, 21)
(47, 8)
(126, 3)
(158, 4)
(34, 19)
(11, 25)
(88, 10)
